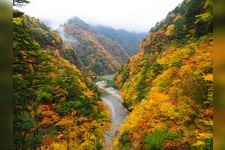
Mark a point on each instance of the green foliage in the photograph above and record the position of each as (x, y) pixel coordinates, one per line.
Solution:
(44, 36)
(180, 32)
(142, 88)
(32, 30)
(17, 13)
(208, 144)
(124, 72)
(198, 18)
(100, 65)
(20, 2)
(98, 54)
(64, 108)
(129, 41)
(124, 139)
(194, 87)
(169, 83)
(48, 92)
(157, 68)
(176, 64)
(109, 80)
(22, 123)
(185, 28)
(155, 140)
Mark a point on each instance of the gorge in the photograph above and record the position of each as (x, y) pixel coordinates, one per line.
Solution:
(159, 97)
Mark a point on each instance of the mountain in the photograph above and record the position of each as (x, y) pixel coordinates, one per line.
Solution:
(129, 41)
(55, 106)
(98, 53)
(168, 84)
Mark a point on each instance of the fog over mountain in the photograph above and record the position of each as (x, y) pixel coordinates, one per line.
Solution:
(135, 15)
(129, 41)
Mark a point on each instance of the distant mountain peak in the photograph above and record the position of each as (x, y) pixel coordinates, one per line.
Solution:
(78, 22)
(129, 41)
(99, 53)
(75, 19)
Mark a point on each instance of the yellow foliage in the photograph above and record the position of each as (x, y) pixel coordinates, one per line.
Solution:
(58, 146)
(198, 144)
(201, 137)
(157, 96)
(18, 20)
(165, 104)
(169, 29)
(179, 55)
(208, 77)
(163, 80)
(178, 16)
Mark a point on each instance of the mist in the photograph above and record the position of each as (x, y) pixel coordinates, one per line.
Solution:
(135, 15)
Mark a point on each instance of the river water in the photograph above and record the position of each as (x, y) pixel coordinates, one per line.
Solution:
(118, 112)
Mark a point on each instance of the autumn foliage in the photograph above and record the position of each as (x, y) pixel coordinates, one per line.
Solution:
(168, 85)
(55, 105)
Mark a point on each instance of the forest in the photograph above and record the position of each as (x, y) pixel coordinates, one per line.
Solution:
(167, 85)
(54, 104)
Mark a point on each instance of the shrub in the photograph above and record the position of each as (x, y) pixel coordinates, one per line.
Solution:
(208, 144)
(155, 140)
(157, 68)
(125, 139)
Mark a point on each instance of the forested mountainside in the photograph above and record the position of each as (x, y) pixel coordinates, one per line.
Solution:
(168, 85)
(98, 53)
(38, 31)
(54, 105)
(129, 41)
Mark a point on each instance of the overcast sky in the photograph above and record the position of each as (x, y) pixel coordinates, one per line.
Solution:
(132, 15)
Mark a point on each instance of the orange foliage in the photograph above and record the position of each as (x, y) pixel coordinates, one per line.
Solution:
(61, 137)
(160, 32)
(47, 141)
(166, 105)
(89, 80)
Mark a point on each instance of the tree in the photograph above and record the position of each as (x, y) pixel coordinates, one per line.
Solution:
(20, 2)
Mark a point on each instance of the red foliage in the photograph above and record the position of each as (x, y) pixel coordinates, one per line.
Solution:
(173, 101)
(137, 136)
(61, 137)
(151, 59)
(208, 113)
(58, 106)
(172, 145)
(129, 136)
(47, 141)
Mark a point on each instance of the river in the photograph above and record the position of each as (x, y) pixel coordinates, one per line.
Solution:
(118, 112)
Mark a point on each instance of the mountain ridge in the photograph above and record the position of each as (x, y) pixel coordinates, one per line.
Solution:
(128, 40)
(98, 53)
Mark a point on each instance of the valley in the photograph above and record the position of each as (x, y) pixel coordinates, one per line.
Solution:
(98, 53)
(88, 87)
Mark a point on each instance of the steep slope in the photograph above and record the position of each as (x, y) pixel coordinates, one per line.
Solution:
(54, 105)
(168, 85)
(129, 41)
(98, 53)
(48, 39)
(41, 33)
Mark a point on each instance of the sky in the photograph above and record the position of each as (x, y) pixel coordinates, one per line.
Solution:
(131, 15)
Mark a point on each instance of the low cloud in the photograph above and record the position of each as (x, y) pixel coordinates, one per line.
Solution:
(135, 15)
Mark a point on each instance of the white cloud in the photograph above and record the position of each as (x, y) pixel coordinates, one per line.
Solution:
(136, 15)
